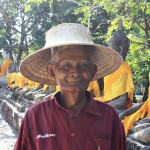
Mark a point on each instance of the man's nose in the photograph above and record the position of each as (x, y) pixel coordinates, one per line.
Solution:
(75, 71)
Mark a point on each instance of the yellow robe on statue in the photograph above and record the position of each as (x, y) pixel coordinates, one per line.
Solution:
(20, 80)
(17, 79)
(115, 84)
(143, 112)
(5, 65)
(11, 77)
(94, 87)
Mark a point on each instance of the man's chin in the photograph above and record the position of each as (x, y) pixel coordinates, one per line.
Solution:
(75, 88)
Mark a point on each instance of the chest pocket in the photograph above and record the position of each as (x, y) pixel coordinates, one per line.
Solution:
(97, 144)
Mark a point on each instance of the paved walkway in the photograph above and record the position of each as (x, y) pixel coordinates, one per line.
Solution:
(7, 135)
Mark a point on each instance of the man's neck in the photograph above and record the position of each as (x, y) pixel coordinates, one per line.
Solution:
(74, 102)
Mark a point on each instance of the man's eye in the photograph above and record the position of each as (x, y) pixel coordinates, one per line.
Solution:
(85, 66)
(66, 66)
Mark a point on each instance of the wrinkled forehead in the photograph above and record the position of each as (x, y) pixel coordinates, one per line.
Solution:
(89, 49)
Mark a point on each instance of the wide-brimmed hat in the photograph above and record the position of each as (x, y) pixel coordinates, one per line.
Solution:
(34, 67)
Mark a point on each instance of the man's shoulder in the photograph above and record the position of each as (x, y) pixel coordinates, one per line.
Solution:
(42, 105)
(102, 104)
(102, 107)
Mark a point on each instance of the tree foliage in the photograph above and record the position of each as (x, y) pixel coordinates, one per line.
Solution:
(135, 15)
(21, 21)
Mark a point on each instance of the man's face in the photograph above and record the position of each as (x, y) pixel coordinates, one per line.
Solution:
(73, 68)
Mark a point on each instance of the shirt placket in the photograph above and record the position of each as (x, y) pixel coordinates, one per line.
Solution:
(72, 131)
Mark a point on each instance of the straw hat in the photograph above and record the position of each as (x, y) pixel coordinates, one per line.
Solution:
(34, 67)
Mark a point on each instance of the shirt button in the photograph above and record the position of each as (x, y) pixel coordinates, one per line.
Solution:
(72, 134)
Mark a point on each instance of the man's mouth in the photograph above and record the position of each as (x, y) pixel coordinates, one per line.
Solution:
(75, 81)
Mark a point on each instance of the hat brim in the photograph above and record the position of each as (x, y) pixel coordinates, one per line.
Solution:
(34, 67)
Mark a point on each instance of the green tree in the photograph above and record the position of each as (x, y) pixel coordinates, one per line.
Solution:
(135, 15)
(19, 20)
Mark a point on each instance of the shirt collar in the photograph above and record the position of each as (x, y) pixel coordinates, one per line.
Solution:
(93, 107)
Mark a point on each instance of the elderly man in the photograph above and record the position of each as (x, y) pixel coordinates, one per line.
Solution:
(72, 119)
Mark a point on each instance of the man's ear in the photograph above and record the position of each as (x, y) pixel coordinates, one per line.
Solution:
(94, 70)
(50, 71)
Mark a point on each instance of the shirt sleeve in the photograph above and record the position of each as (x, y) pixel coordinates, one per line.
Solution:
(21, 143)
(118, 135)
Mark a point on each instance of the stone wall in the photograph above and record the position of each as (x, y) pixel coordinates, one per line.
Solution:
(134, 145)
(11, 114)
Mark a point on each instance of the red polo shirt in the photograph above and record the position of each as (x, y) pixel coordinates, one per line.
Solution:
(49, 126)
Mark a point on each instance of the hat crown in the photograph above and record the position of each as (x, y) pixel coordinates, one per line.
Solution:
(68, 33)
